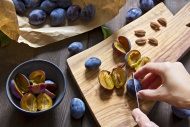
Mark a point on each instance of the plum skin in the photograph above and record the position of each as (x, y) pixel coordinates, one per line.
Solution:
(75, 47)
(73, 12)
(77, 108)
(133, 14)
(57, 16)
(92, 63)
(181, 113)
(131, 88)
(32, 3)
(48, 6)
(65, 4)
(19, 6)
(37, 17)
(88, 12)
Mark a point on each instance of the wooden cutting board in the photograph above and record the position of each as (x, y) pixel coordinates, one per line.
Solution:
(113, 108)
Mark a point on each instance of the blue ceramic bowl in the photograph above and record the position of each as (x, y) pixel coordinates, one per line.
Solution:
(52, 72)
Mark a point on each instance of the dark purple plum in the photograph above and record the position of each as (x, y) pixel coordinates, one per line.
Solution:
(73, 12)
(77, 108)
(57, 17)
(88, 12)
(15, 90)
(32, 3)
(146, 5)
(131, 88)
(19, 6)
(37, 17)
(48, 6)
(65, 4)
(92, 63)
(180, 112)
(75, 47)
(133, 14)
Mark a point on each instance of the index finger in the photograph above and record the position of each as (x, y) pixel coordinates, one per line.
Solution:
(156, 68)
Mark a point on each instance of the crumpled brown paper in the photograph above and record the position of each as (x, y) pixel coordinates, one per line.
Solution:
(8, 20)
(36, 36)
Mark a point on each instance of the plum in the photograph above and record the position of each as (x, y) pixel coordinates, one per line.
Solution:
(88, 12)
(15, 90)
(44, 102)
(48, 6)
(19, 6)
(146, 5)
(65, 4)
(131, 88)
(28, 102)
(92, 63)
(180, 112)
(37, 89)
(75, 47)
(32, 3)
(57, 17)
(50, 85)
(50, 94)
(133, 14)
(37, 77)
(73, 12)
(22, 82)
(37, 17)
(122, 46)
(77, 108)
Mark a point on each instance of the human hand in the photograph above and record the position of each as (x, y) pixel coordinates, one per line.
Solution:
(168, 82)
(141, 119)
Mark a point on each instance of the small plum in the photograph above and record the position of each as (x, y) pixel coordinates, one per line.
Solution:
(15, 90)
(57, 17)
(37, 17)
(48, 6)
(19, 6)
(88, 12)
(44, 102)
(28, 102)
(50, 85)
(65, 4)
(37, 77)
(146, 5)
(75, 47)
(131, 87)
(22, 82)
(92, 63)
(50, 94)
(77, 108)
(32, 3)
(133, 14)
(73, 12)
(180, 112)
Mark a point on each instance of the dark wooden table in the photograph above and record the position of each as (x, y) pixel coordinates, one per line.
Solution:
(57, 53)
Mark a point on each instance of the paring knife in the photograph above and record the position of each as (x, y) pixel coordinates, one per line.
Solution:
(135, 90)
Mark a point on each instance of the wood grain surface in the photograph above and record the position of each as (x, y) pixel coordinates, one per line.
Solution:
(107, 106)
(16, 53)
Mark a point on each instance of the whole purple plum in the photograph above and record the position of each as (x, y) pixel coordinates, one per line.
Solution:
(77, 108)
(37, 17)
(48, 6)
(57, 16)
(181, 113)
(75, 47)
(146, 5)
(65, 4)
(131, 88)
(133, 14)
(19, 6)
(73, 12)
(88, 12)
(92, 63)
(32, 3)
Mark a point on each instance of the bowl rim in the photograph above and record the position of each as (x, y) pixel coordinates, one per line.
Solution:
(26, 62)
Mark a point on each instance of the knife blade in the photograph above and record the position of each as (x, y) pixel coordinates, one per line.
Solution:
(135, 90)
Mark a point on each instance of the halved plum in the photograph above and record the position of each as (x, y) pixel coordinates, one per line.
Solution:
(49, 93)
(115, 78)
(37, 77)
(50, 85)
(44, 102)
(28, 102)
(119, 77)
(37, 89)
(22, 82)
(105, 80)
(15, 90)
(122, 46)
(134, 59)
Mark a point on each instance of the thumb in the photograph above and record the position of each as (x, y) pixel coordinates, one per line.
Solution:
(149, 94)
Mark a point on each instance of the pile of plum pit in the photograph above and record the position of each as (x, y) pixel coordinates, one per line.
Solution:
(57, 10)
(36, 93)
